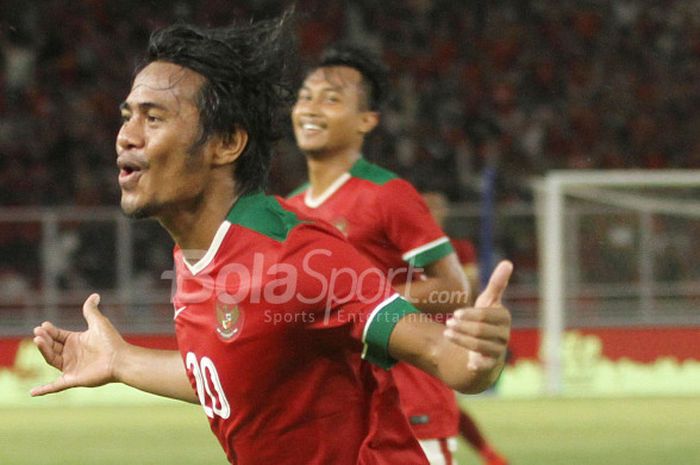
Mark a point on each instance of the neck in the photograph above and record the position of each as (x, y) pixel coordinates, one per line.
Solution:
(324, 170)
(194, 224)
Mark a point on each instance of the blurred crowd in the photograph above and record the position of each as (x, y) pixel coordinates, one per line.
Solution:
(523, 86)
(517, 86)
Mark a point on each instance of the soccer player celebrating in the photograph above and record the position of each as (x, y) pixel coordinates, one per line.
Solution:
(383, 216)
(273, 312)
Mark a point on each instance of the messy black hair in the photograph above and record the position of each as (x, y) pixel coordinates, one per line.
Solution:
(248, 72)
(375, 80)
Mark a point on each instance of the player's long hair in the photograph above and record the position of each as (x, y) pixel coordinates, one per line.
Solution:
(249, 71)
(373, 71)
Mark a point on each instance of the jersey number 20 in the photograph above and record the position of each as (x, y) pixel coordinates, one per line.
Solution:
(209, 388)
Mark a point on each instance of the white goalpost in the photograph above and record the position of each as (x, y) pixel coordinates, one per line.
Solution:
(635, 202)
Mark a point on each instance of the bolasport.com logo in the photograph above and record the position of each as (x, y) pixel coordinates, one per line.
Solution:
(315, 281)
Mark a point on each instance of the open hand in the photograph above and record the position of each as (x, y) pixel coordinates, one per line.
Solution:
(84, 358)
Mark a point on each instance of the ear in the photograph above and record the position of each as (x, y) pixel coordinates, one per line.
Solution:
(368, 121)
(227, 152)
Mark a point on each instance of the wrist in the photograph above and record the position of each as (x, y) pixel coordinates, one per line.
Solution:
(118, 366)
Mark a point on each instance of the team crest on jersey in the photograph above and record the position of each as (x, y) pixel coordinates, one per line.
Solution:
(341, 224)
(230, 319)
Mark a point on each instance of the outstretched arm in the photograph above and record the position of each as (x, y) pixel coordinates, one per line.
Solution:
(469, 354)
(99, 355)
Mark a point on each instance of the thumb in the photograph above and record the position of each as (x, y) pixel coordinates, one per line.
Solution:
(90, 311)
(498, 282)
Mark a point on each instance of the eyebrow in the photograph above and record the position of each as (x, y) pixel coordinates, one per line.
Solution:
(329, 88)
(143, 106)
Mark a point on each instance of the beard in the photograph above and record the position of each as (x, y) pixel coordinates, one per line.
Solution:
(141, 212)
(164, 210)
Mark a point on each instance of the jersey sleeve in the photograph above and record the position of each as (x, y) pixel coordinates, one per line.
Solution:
(379, 326)
(342, 291)
(410, 226)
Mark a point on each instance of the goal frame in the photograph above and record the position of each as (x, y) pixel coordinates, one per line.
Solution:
(550, 208)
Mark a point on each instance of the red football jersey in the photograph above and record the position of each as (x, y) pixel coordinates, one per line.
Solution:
(273, 336)
(466, 252)
(385, 218)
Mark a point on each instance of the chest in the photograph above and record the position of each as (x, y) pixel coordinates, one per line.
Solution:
(242, 317)
(353, 212)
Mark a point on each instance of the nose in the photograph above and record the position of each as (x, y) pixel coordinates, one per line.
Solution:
(130, 135)
(307, 106)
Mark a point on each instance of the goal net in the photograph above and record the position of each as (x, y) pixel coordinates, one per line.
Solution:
(617, 248)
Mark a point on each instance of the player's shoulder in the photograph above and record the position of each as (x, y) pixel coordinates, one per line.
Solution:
(264, 214)
(314, 237)
(386, 185)
(280, 219)
(374, 174)
(314, 232)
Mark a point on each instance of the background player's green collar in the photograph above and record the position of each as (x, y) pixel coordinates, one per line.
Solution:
(363, 169)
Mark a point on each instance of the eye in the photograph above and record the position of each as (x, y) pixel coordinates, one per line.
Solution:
(125, 117)
(153, 119)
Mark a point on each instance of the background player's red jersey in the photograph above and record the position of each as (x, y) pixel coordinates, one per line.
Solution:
(387, 220)
(273, 349)
(466, 252)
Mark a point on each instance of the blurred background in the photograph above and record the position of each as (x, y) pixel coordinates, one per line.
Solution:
(491, 101)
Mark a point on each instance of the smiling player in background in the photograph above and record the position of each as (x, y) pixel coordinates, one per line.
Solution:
(382, 215)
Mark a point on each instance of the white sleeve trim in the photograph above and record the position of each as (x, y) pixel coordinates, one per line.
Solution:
(418, 250)
(376, 310)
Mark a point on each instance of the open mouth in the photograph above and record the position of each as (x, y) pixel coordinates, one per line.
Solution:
(129, 174)
(128, 169)
(308, 132)
(311, 127)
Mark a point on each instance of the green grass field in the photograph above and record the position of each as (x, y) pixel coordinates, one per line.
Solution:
(639, 431)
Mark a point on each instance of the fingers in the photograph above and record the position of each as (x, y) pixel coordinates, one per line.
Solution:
(479, 361)
(50, 350)
(496, 315)
(483, 330)
(490, 346)
(57, 386)
(90, 311)
(498, 282)
(48, 330)
(49, 340)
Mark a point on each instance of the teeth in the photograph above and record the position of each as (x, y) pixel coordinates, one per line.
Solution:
(310, 126)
